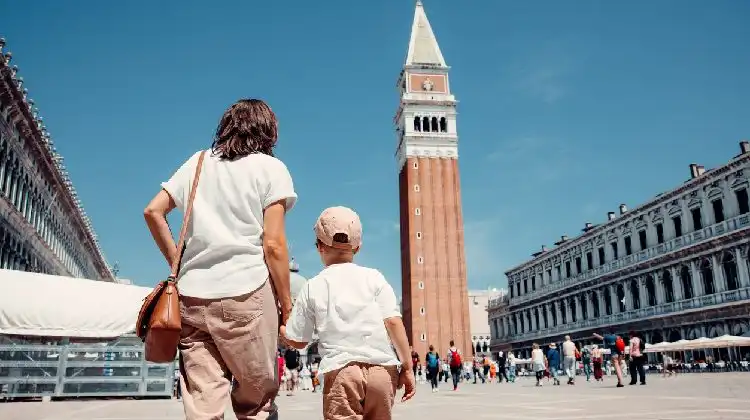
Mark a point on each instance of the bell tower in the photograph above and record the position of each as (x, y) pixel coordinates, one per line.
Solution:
(433, 265)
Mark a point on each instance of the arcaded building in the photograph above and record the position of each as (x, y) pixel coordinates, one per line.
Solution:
(435, 295)
(43, 227)
(673, 268)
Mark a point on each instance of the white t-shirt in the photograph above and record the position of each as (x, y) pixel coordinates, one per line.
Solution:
(224, 254)
(346, 305)
(569, 349)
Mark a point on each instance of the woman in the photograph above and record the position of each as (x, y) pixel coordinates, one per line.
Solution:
(234, 280)
(596, 359)
(511, 367)
(538, 363)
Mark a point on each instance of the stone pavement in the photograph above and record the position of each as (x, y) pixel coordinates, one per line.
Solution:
(686, 397)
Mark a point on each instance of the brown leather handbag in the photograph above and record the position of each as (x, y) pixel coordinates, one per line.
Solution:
(159, 323)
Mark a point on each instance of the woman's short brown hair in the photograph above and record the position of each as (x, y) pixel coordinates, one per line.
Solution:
(248, 126)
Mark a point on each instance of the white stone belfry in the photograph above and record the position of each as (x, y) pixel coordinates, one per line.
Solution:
(426, 118)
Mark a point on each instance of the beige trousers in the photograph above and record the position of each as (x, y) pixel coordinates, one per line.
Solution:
(359, 391)
(229, 339)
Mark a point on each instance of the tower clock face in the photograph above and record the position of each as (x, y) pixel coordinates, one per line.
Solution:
(427, 85)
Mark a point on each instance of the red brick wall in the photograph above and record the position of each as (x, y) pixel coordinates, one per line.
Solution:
(443, 272)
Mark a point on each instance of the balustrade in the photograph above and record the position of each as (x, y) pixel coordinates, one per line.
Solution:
(637, 314)
(691, 238)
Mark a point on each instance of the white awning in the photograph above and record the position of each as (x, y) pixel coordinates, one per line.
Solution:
(56, 306)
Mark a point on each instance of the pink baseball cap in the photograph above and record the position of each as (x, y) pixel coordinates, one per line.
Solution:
(335, 220)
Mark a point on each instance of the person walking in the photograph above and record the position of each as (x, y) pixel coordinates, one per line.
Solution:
(569, 359)
(433, 367)
(511, 367)
(455, 363)
(234, 274)
(502, 363)
(553, 358)
(355, 314)
(637, 359)
(538, 363)
(586, 362)
(616, 347)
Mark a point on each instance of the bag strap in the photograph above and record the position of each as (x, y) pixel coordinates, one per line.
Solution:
(185, 219)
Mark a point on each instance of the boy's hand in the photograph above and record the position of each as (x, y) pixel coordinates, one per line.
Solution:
(406, 380)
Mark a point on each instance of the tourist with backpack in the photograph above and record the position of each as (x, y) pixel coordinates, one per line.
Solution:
(616, 346)
(455, 363)
(432, 359)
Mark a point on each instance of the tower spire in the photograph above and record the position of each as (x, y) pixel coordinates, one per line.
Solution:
(423, 46)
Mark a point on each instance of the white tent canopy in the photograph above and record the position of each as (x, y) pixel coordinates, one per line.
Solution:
(55, 306)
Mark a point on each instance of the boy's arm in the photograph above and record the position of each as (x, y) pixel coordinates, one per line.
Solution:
(396, 331)
(299, 328)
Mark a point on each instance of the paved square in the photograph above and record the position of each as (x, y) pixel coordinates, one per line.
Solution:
(686, 397)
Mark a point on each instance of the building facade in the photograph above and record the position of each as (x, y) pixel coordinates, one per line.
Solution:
(479, 319)
(435, 294)
(43, 227)
(674, 268)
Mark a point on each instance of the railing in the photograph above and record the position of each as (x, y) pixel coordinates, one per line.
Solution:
(81, 370)
(497, 301)
(688, 239)
(728, 296)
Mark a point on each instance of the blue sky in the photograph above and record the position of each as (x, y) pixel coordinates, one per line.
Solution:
(567, 109)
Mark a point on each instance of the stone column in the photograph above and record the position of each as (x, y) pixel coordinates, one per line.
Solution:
(558, 312)
(566, 308)
(743, 277)
(677, 284)
(659, 286)
(532, 320)
(600, 299)
(579, 311)
(548, 309)
(589, 304)
(719, 281)
(695, 277)
(614, 301)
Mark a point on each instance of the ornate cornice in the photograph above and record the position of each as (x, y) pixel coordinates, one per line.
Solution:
(576, 245)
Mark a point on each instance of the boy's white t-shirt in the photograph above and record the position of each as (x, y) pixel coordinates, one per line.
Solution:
(345, 305)
(224, 254)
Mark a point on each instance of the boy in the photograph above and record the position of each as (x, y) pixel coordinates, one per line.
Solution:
(355, 314)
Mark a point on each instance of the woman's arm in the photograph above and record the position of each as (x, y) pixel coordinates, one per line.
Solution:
(277, 255)
(156, 218)
(598, 337)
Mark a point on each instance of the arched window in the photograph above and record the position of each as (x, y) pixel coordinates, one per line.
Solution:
(546, 321)
(687, 282)
(621, 297)
(536, 318)
(435, 127)
(666, 281)
(707, 276)
(635, 295)
(651, 290)
(426, 124)
(443, 125)
(417, 125)
(729, 267)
